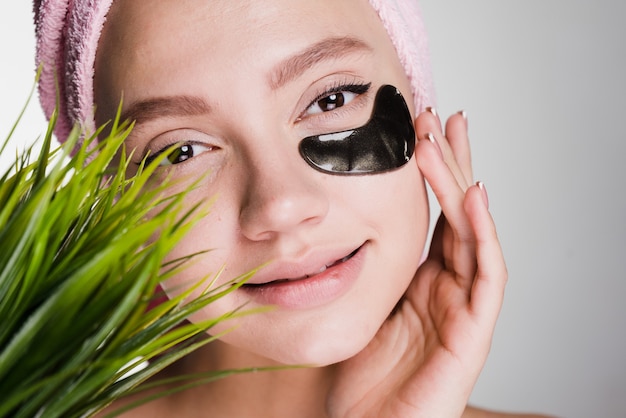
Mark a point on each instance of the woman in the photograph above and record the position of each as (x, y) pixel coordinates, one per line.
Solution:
(252, 94)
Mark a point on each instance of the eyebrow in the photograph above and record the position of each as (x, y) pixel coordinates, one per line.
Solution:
(168, 106)
(285, 71)
(326, 49)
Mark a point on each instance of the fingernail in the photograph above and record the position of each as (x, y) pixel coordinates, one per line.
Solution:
(483, 191)
(463, 113)
(433, 111)
(433, 141)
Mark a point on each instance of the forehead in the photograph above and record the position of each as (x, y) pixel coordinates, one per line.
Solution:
(157, 34)
(207, 47)
(144, 20)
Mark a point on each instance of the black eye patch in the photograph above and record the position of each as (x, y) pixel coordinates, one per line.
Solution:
(386, 142)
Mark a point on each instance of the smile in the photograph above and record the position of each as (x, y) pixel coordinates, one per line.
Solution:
(295, 289)
(321, 270)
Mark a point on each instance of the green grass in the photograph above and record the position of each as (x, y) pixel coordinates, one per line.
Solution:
(78, 268)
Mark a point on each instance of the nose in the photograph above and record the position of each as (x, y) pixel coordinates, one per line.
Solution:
(281, 197)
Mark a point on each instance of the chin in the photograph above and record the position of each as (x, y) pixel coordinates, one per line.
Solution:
(318, 357)
(328, 345)
(332, 353)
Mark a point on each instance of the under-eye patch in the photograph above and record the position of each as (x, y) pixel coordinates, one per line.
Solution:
(386, 142)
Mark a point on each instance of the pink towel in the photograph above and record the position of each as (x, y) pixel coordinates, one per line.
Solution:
(67, 34)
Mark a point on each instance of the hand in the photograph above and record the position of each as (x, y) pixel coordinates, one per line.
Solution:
(426, 358)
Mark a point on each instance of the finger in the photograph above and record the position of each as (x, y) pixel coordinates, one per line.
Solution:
(427, 123)
(441, 179)
(436, 244)
(457, 247)
(487, 291)
(456, 132)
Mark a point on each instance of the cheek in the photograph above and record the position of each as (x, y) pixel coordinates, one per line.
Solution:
(398, 213)
(209, 240)
(395, 203)
(411, 202)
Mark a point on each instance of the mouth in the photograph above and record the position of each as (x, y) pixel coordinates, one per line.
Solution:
(306, 285)
(309, 275)
(333, 264)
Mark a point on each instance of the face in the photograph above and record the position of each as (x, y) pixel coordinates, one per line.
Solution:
(239, 84)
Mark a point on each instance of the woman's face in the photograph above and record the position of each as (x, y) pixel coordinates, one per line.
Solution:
(240, 83)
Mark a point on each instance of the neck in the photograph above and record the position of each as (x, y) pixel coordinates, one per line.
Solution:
(282, 392)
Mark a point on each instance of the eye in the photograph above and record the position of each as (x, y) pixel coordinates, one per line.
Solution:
(181, 153)
(331, 102)
(336, 98)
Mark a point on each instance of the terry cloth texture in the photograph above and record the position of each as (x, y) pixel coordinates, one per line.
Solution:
(68, 31)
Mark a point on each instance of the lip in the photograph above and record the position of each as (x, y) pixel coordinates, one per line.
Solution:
(320, 279)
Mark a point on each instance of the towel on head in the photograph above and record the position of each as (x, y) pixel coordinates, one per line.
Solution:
(68, 31)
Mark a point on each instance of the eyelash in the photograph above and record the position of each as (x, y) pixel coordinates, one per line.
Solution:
(356, 88)
(149, 158)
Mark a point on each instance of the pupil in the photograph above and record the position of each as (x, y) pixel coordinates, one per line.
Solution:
(331, 102)
(181, 154)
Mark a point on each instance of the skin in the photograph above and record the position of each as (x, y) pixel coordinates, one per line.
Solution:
(269, 205)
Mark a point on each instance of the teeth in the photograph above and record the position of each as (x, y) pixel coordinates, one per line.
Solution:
(323, 269)
(343, 260)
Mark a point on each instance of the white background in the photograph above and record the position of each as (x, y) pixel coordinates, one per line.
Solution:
(544, 85)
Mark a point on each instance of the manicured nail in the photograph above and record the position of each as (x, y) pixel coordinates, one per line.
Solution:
(433, 111)
(483, 191)
(463, 113)
(433, 141)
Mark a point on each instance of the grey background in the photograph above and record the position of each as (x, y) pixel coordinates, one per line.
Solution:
(544, 85)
